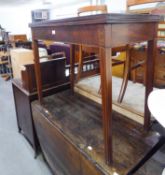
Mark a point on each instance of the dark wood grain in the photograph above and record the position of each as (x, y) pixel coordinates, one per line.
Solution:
(106, 91)
(53, 73)
(111, 18)
(149, 74)
(70, 132)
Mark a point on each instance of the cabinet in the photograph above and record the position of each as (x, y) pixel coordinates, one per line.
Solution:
(24, 91)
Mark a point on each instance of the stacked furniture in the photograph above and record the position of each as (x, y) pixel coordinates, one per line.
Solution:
(24, 89)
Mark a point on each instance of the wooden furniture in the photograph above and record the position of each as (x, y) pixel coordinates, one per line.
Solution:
(159, 66)
(92, 8)
(156, 107)
(69, 129)
(140, 56)
(24, 90)
(115, 62)
(103, 31)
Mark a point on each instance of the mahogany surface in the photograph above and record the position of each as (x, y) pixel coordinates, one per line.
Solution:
(104, 31)
(69, 129)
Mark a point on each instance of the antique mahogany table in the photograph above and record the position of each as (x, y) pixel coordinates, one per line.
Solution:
(104, 31)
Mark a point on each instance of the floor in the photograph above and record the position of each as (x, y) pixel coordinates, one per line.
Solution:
(16, 155)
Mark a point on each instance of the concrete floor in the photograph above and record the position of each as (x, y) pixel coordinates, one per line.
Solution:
(16, 155)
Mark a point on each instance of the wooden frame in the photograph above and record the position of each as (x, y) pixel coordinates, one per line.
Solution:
(102, 8)
(140, 2)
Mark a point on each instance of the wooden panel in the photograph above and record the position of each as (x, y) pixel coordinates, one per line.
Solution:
(24, 117)
(131, 33)
(99, 19)
(71, 125)
(56, 147)
(53, 73)
(90, 35)
(89, 168)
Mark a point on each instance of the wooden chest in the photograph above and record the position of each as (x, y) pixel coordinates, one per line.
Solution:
(69, 129)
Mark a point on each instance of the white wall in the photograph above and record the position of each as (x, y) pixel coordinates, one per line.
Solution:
(16, 19)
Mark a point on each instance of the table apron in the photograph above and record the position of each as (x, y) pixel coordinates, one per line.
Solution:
(107, 35)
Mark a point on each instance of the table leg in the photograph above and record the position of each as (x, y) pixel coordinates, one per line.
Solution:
(37, 70)
(106, 83)
(149, 75)
(72, 67)
(80, 64)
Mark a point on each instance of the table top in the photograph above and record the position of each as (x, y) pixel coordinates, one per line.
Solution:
(109, 18)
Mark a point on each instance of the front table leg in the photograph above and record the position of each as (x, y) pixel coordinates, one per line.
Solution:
(72, 67)
(106, 84)
(149, 75)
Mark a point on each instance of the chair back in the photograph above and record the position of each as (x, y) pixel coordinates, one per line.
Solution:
(92, 8)
(141, 2)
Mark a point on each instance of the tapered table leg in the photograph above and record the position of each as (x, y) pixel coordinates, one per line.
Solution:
(72, 62)
(149, 74)
(80, 63)
(37, 70)
(106, 84)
